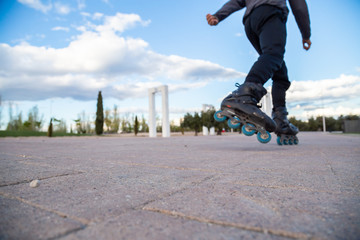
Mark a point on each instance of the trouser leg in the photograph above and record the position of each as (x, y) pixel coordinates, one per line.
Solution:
(280, 85)
(266, 30)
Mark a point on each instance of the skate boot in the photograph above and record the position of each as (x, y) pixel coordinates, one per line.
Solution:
(285, 131)
(241, 109)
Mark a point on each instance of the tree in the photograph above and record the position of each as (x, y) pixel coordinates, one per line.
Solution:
(81, 124)
(143, 126)
(99, 122)
(126, 126)
(115, 125)
(107, 120)
(136, 126)
(192, 122)
(15, 123)
(50, 129)
(34, 122)
(60, 127)
(303, 126)
(209, 121)
(207, 118)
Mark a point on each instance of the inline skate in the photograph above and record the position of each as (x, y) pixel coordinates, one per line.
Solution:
(285, 131)
(241, 109)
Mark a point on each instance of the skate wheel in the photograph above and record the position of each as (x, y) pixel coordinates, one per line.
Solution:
(234, 123)
(278, 140)
(296, 140)
(219, 117)
(247, 129)
(290, 142)
(264, 137)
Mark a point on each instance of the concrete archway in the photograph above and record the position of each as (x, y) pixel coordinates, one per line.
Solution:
(165, 111)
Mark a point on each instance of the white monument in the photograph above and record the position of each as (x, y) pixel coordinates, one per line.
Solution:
(165, 111)
(266, 103)
(206, 107)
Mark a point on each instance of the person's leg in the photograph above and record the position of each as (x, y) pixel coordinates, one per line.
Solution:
(266, 30)
(280, 85)
(284, 129)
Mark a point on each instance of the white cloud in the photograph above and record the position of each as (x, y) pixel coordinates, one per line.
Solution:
(100, 58)
(329, 97)
(345, 86)
(85, 14)
(59, 7)
(59, 28)
(62, 8)
(97, 16)
(36, 4)
(120, 22)
(334, 111)
(81, 4)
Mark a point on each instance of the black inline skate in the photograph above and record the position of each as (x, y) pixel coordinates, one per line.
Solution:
(285, 131)
(241, 109)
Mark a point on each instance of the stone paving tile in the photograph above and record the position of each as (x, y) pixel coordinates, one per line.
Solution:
(19, 220)
(13, 172)
(143, 224)
(97, 195)
(293, 211)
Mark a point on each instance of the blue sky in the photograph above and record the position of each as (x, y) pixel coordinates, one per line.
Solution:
(57, 55)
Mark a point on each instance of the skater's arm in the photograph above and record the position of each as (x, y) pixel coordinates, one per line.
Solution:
(228, 8)
(301, 13)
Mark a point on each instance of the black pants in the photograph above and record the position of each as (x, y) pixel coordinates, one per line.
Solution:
(266, 29)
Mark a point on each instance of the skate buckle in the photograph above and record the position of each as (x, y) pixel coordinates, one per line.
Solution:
(231, 112)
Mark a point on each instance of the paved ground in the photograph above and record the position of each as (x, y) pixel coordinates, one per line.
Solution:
(217, 187)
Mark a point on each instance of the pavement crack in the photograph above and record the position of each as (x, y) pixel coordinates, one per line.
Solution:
(285, 187)
(67, 233)
(275, 232)
(60, 214)
(169, 194)
(43, 178)
(328, 163)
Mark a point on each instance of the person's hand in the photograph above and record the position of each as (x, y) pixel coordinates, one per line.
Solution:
(306, 44)
(212, 20)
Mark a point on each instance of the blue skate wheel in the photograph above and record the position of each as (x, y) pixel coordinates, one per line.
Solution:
(278, 140)
(234, 123)
(246, 129)
(264, 137)
(296, 140)
(219, 117)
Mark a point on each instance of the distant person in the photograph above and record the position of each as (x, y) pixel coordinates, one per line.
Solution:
(265, 27)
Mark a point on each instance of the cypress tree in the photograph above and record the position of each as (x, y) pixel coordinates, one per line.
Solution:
(50, 129)
(99, 122)
(136, 126)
